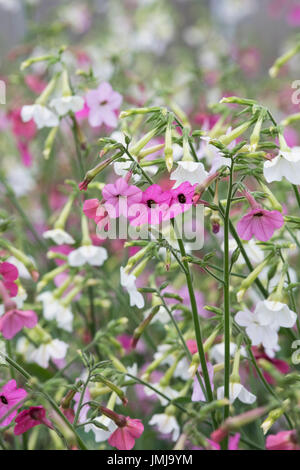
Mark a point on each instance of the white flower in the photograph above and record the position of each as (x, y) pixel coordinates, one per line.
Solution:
(93, 255)
(285, 165)
(42, 116)
(275, 313)
(23, 271)
(128, 282)
(254, 252)
(59, 236)
(18, 299)
(65, 104)
(193, 172)
(53, 309)
(3, 351)
(55, 349)
(217, 352)
(10, 5)
(100, 434)
(166, 424)
(20, 179)
(237, 390)
(257, 329)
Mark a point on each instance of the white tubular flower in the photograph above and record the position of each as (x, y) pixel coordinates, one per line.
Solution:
(193, 172)
(254, 252)
(25, 348)
(92, 255)
(55, 349)
(285, 165)
(168, 391)
(217, 352)
(257, 329)
(42, 116)
(166, 424)
(66, 104)
(275, 313)
(100, 434)
(128, 282)
(237, 390)
(59, 236)
(54, 310)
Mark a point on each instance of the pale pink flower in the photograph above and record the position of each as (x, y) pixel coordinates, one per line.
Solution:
(258, 222)
(10, 396)
(119, 197)
(14, 320)
(198, 394)
(103, 104)
(155, 202)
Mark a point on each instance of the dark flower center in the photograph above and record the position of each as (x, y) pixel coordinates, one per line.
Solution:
(150, 203)
(103, 103)
(3, 399)
(258, 214)
(181, 198)
(34, 414)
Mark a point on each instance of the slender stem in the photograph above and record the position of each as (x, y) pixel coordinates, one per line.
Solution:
(197, 326)
(226, 287)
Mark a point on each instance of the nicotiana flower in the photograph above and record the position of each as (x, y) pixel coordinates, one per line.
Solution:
(259, 332)
(59, 236)
(66, 104)
(54, 309)
(123, 438)
(9, 274)
(283, 440)
(152, 208)
(14, 320)
(254, 252)
(181, 200)
(42, 116)
(237, 390)
(258, 222)
(193, 172)
(54, 349)
(100, 435)
(92, 255)
(285, 165)
(166, 390)
(198, 394)
(10, 397)
(216, 353)
(128, 282)
(275, 313)
(30, 418)
(104, 103)
(119, 197)
(166, 424)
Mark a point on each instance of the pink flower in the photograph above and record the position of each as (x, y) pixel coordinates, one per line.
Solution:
(103, 103)
(35, 83)
(283, 440)
(198, 394)
(30, 418)
(181, 199)
(14, 320)
(119, 197)
(123, 438)
(10, 396)
(233, 443)
(63, 250)
(90, 207)
(192, 346)
(9, 274)
(155, 202)
(259, 222)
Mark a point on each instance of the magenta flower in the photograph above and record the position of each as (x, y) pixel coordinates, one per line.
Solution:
(30, 418)
(153, 207)
(10, 396)
(119, 197)
(9, 274)
(259, 222)
(198, 394)
(123, 438)
(14, 320)
(283, 440)
(103, 104)
(181, 199)
(293, 16)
